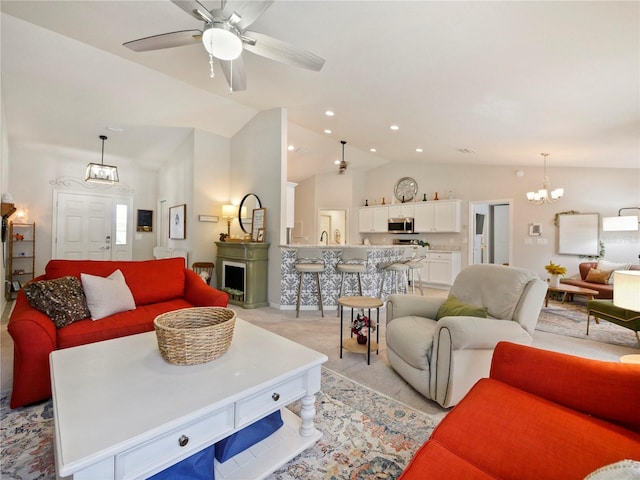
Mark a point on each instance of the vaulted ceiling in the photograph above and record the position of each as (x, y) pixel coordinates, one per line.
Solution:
(466, 82)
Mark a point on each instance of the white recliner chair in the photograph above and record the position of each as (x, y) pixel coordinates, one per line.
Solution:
(443, 358)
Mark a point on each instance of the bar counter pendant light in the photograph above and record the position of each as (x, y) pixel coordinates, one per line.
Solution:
(101, 173)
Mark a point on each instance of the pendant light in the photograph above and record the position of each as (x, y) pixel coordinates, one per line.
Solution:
(342, 166)
(101, 173)
(545, 194)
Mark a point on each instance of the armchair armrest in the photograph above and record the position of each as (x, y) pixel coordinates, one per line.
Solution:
(400, 305)
(606, 390)
(34, 338)
(198, 293)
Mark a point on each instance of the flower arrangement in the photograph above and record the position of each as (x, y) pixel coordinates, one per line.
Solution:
(555, 269)
(360, 325)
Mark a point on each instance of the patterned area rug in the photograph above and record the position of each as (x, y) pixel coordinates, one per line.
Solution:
(366, 435)
(570, 319)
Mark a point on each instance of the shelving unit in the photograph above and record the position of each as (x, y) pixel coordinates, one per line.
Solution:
(21, 258)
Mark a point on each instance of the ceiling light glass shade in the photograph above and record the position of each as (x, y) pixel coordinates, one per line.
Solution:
(626, 289)
(221, 42)
(229, 211)
(627, 223)
(100, 173)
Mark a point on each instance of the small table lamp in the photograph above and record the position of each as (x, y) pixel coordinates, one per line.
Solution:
(229, 212)
(626, 289)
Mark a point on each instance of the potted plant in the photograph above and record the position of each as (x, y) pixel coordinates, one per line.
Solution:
(556, 271)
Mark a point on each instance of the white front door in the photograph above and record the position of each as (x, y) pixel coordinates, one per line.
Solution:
(91, 227)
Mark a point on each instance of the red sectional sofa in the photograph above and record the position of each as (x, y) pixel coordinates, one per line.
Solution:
(157, 286)
(540, 415)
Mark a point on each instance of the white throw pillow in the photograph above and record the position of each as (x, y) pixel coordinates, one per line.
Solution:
(606, 266)
(106, 296)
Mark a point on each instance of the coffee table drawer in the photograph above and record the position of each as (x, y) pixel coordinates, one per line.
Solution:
(167, 447)
(280, 395)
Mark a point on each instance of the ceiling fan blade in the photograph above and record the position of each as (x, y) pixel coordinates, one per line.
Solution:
(280, 51)
(165, 40)
(235, 74)
(248, 10)
(192, 7)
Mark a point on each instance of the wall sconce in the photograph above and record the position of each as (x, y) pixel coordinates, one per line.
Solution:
(626, 223)
(229, 212)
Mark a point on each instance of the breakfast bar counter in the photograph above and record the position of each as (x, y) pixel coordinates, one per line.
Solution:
(330, 279)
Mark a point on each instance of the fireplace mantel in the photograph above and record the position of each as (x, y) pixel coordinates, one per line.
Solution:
(252, 257)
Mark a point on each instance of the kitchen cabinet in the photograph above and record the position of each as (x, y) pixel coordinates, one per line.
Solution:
(21, 258)
(437, 216)
(402, 210)
(440, 268)
(373, 219)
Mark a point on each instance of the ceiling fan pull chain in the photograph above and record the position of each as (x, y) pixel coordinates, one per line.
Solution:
(211, 72)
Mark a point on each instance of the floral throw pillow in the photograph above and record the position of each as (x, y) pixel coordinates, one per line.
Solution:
(62, 299)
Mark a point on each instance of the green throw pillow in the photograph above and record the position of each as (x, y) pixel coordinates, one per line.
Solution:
(454, 307)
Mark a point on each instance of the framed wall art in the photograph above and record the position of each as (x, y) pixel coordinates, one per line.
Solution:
(145, 221)
(260, 237)
(258, 222)
(535, 229)
(178, 222)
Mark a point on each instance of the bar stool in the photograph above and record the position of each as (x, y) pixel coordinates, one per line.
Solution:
(352, 261)
(415, 263)
(310, 265)
(396, 268)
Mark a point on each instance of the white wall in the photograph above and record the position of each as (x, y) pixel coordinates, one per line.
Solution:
(587, 190)
(258, 165)
(4, 167)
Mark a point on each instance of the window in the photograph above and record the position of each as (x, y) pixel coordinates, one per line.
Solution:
(121, 224)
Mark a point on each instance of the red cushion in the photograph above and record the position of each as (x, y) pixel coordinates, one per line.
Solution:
(150, 281)
(435, 461)
(607, 390)
(121, 324)
(516, 435)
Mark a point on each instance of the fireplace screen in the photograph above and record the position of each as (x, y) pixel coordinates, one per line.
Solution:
(234, 279)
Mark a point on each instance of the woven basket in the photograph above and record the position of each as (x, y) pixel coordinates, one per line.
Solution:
(194, 335)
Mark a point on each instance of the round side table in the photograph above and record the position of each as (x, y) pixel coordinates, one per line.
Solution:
(360, 303)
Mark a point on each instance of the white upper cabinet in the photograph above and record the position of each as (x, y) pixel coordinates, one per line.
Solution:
(373, 219)
(437, 216)
(401, 210)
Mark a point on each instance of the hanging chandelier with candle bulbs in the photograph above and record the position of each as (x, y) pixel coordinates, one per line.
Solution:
(545, 194)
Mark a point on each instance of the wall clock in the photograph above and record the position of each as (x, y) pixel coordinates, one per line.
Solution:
(405, 189)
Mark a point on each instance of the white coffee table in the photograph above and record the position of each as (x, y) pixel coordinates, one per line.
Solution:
(122, 412)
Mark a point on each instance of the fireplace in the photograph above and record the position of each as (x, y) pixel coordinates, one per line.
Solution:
(234, 279)
(243, 272)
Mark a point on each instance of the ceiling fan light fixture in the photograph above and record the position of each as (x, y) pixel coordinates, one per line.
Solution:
(222, 42)
(101, 173)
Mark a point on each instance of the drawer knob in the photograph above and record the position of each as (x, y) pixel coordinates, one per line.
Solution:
(276, 397)
(183, 440)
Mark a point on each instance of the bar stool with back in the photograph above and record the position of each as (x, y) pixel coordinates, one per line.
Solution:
(314, 263)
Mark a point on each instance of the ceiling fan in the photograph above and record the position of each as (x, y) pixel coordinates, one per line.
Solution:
(225, 36)
(342, 165)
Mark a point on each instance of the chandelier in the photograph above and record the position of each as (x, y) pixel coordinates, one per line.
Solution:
(101, 173)
(545, 194)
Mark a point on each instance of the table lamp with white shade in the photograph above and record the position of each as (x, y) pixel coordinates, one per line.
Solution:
(626, 289)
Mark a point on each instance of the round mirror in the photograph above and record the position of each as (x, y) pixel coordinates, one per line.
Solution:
(248, 203)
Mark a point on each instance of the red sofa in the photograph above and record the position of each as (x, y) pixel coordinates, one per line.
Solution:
(605, 292)
(540, 415)
(157, 286)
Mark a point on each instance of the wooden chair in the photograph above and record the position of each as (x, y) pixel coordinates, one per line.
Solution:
(204, 267)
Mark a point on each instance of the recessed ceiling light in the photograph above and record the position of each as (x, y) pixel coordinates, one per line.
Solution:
(394, 127)
(329, 113)
(373, 150)
(291, 148)
(337, 162)
(419, 150)
(327, 131)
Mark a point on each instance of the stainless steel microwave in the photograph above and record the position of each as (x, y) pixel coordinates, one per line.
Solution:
(400, 225)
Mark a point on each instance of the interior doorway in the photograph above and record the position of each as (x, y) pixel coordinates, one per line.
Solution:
(490, 233)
